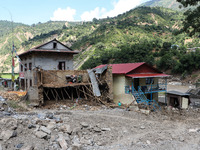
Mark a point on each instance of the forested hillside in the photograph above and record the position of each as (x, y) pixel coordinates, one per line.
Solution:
(142, 34)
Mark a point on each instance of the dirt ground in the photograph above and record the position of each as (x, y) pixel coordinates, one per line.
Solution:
(100, 129)
(86, 127)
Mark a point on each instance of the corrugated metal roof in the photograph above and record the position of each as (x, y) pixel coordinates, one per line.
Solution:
(178, 93)
(147, 75)
(123, 68)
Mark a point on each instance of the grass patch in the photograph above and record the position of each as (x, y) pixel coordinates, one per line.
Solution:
(194, 75)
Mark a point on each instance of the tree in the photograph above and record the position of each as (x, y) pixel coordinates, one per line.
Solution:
(191, 24)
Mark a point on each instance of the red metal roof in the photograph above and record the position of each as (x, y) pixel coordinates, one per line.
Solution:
(147, 75)
(123, 68)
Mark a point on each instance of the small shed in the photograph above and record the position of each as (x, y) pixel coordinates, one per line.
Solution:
(178, 99)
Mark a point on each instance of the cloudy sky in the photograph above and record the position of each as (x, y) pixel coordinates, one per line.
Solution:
(34, 11)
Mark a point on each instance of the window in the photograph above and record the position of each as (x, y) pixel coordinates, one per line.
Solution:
(25, 67)
(61, 65)
(30, 82)
(54, 45)
(149, 80)
(22, 68)
(30, 66)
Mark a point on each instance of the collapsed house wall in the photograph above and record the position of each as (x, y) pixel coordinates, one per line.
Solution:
(58, 77)
(54, 85)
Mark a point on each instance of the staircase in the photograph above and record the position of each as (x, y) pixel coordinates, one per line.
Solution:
(142, 99)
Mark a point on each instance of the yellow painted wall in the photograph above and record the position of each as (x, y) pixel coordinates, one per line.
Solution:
(119, 83)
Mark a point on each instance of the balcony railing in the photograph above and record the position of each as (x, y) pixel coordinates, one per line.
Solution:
(149, 88)
(153, 88)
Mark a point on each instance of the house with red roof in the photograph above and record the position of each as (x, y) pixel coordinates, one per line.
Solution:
(138, 79)
(52, 55)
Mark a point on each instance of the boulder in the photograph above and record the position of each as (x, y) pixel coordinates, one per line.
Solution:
(66, 128)
(30, 147)
(63, 144)
(7, 134)
(41, 134)
(46, 130)
(84, 124)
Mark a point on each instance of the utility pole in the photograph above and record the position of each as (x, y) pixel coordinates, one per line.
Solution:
(13, 67)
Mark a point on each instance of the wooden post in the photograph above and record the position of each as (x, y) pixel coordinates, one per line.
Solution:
(53, 94)
(62, 94)
(67, 93)
(84, 92)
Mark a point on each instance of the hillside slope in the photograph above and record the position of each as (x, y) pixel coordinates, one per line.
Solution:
(141, 34)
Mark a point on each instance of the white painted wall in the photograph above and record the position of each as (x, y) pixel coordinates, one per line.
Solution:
(51, 61)
(49, 46)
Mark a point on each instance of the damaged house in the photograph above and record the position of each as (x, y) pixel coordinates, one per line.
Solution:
(46, 72)
(136, 82)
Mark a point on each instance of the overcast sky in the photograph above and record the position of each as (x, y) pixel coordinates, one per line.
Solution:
(34, 11)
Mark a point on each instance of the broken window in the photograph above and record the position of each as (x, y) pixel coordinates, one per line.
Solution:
(30, 66)
(22, 68)
(61, 65)
(54, 45)
(25, 68)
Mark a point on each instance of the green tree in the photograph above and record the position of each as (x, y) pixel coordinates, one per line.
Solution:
(191, 24)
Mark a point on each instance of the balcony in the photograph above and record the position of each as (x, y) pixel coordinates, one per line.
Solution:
(148, 88)
(153, 88)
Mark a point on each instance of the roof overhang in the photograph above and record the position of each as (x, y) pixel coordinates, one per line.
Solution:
(150, 75)
(49, 51)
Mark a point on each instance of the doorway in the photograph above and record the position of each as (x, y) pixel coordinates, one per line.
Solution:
(136, 83)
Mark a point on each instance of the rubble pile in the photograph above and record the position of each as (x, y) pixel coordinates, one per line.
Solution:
(99, 130)
(10, 96)
(49, 132)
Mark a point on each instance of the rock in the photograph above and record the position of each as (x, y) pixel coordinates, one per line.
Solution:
(148, 142)
(97, 129)
(147, 112)
(9, 123)
(142, 127)
(105, 129)
(84, 124)
(46, 130)
(19, 145)
(193, 130)
(63, 144)
(84, 141)
(66, 128)
(7, 134)
(182, 139)
(30, 147)
(30, 126)
(49, 116)
(40, 134)
(51, 125)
